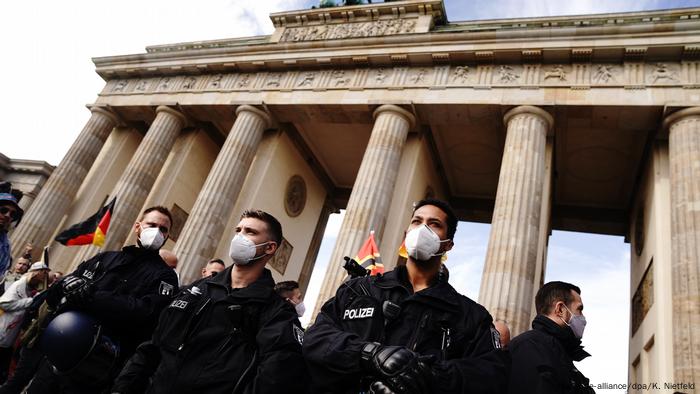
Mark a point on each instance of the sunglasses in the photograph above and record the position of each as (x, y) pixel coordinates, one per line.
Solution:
(13, 212)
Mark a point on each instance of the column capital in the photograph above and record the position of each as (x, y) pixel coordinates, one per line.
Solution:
(680, 115)
(172, 111)
(107, 113)
(257, 111)
(529, 109)
(398, 111)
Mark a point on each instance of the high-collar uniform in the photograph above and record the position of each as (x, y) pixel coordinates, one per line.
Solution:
(542, 360)
(438, 321)
(215, 339)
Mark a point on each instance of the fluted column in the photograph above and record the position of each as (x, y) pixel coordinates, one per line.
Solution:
(143, 169)
(60, 189)
(371, 194)
(684, 159)
(508, 282)
(200, 235)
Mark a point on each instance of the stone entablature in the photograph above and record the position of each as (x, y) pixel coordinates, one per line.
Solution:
(631, 75)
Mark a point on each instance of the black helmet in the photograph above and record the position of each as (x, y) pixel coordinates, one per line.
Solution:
(75, 346)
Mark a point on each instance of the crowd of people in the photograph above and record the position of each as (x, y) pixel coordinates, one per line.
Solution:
(123, 323)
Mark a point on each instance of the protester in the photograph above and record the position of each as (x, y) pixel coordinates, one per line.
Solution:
(13, 304)
(409, 330)
(20, 268)
(229, 333)
(543, 357)
(10, 212)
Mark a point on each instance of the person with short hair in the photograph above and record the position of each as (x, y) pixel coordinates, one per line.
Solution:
(289, 290)
(229, 333)
(542, 358)
(213, 267)
(20, 268)
(122, 293)
(409, 330)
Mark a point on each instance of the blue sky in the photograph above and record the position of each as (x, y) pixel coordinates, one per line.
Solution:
(50, 78)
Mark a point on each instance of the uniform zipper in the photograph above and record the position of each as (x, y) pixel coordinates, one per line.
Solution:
(417, 332)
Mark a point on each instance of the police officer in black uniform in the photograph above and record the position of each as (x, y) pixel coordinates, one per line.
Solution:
(230, 333)
(121, 293)
(543, 357)
(407, 331)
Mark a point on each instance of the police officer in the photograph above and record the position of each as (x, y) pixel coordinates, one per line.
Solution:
(543, 357)
(124, 291)
(407, 331)
(229, 333)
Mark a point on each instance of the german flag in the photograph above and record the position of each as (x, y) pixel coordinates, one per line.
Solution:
(91, 231)
(368, 256)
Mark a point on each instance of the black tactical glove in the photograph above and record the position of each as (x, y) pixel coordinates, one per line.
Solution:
(380, 388)
(398, 369)
(76, 289)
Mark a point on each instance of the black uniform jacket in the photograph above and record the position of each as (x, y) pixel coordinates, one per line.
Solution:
(214, 339)
(129, 290)
(457, 332)
(543, 360)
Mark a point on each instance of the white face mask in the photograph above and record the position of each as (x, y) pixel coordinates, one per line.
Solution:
(300, 308)
(242, 250)
(151, 238)
(422, 243)
(577, 323)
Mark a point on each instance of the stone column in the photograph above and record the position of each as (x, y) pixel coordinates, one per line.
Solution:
(56, 196)
(138, 178)
(315, 246)
(508, 282)
(200, 235)
(371, 194)
(684, 159)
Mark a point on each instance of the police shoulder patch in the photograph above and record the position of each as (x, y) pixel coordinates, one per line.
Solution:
(298, 333)
(496, 338)
(165, 289)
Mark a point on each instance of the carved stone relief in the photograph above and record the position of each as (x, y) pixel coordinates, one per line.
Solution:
(281, 258)
(605, 73)
(120, 86)
(460, 74)
(306, 79)
(349, 30)
(663, 73)
(339, 78)
(635, 75)
(189, 83)
(295, 196)
(556, 73)
(507, 74)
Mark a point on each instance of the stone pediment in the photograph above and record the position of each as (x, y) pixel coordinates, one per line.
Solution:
(374, 20)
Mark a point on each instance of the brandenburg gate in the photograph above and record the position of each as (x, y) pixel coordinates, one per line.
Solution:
(586, 123)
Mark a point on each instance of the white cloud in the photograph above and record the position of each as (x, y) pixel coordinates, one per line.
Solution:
(48, 75)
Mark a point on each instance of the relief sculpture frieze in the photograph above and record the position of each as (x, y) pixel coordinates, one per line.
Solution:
(421, 77)
(349, 30)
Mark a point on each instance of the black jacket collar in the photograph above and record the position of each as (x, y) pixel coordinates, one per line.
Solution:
(564, 335)
(438, 294)
(261, 289)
